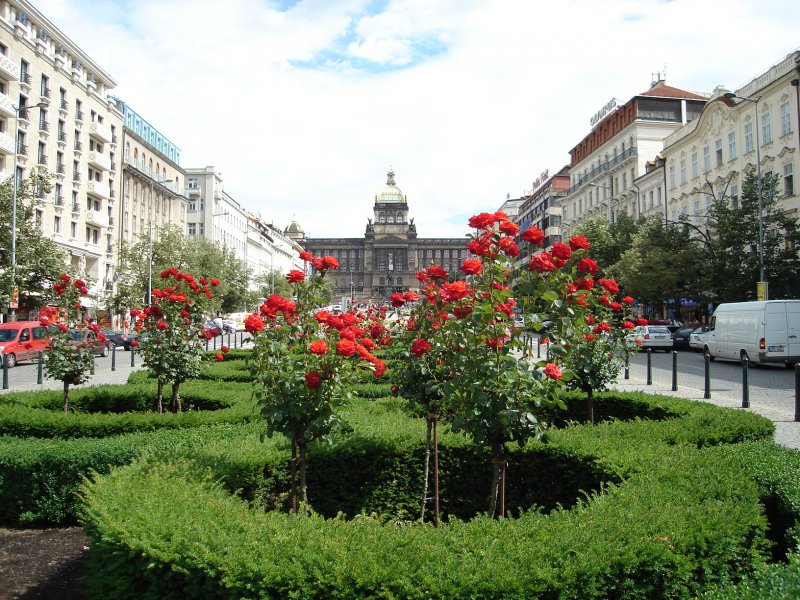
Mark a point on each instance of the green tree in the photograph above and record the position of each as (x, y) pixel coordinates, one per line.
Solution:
(662, 264)
(728, 236)
(609, 242)
(39, 261)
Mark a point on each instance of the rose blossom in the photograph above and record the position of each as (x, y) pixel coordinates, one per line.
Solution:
(295, 276)
(313, 380)
(552, 371)
(420, 346)
(318, 347)
(472, 266)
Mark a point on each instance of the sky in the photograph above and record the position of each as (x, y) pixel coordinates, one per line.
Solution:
(304, 106)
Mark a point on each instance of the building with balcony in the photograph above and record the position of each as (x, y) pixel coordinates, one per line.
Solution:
(387, 258)
(55, 117)
(541, 207)
(605, 164)
(711, 155)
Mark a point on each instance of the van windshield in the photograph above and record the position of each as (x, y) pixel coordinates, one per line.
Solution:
(8, 335)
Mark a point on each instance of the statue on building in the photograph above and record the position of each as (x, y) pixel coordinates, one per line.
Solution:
(370, 226)
(411, 227)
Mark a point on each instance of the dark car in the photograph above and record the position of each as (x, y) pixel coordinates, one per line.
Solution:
(89, 338)
(680, 338)
(115, 338)
(130, 338)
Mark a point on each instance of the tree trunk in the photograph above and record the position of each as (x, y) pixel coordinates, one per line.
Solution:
(160, 397)
(590, 404)
(175, 401)
(435, 473)
(303, 487)
(66, 396)
(293, 472)
(426, 468)
(497, 499)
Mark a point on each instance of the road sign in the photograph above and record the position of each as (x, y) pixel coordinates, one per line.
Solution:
(762, 290)
(14, 299)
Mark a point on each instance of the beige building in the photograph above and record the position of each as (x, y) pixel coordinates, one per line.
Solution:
(712, 153)
(56, 117)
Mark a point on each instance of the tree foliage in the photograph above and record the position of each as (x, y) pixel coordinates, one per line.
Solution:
(39, 260)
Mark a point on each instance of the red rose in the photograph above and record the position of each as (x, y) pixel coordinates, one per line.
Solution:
(318, 347)
(65, 278)
(481, 221)
(161, 325)
(579, 242)
(305, 255)
(254, 323)
(533, 235)
(411, 296)
(472, 266)
(509, 247)
(436, 272)
(455, 290)
(330, 263)
(398, 299)
(561, 251)
(628, 300)
(552, 371)
(627, 325)
(313, 380)
(295, 276)
(541, 263)
(219, 357)
(609, 284)
(346, 347)
(420, 346)
(587, 265)
(224, 349)
(509, 228)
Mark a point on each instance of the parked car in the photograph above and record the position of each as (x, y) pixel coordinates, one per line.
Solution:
(130, 338)
(655, 337)
(696, 340)
(89, 338)
(228, 326)
(680, 339)
(115, 338)
(22, 340)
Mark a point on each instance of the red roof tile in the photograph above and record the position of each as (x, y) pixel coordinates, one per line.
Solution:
(662, 90)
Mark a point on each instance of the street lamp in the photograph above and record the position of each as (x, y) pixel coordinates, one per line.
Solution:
(14, 184)
(761, 273)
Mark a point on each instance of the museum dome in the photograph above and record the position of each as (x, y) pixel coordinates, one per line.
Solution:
(294, 231)
(390, 194)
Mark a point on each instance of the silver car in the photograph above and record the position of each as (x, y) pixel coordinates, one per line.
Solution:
(655, 337)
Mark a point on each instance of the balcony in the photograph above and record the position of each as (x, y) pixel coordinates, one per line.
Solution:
(59, 201)
(25, 80)
(96, 217)
(79, 116)
(61, 169)
(76, 176)
(602, 168)
(98, 189)
(7, 106)
(62, 137)
(76, 208)
(45, 93)
(63, 105)
(44, 126)
(100, 132)
(78, 146)
(99, 161)
(6, 144)
(41, 159)
(8, 70)
(22, 149)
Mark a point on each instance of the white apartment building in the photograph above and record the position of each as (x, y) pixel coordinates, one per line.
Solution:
(714, 152)
(606, 163)
(269, 251)
(56, 117)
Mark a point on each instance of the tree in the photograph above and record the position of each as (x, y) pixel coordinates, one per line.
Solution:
(662, 264)
(39, 261)
(609, 242)
(728, 237)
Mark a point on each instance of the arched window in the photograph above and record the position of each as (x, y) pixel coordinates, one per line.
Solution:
(399, 281)
(391, 218)
(383, 218)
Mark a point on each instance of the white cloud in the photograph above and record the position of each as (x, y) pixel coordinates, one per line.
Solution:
(303, 110)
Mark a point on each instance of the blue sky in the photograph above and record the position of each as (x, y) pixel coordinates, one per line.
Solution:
(304, 105)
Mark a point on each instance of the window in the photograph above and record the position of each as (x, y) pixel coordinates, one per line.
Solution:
(731, 145)
(766, 129)
(192, 229)
(191, 183)
(650, 200)
(748, 138)
(201, 228)
(695, 172)
(734, 194)
(192, 205)
(56, 224)
(718, 151)
(706, 159)
(24, 72)
(672, 176)
(788, 180)
(39, 215)
(73, 230)
(92, 235)
(786, 119)
(45, 86)
(683, 170)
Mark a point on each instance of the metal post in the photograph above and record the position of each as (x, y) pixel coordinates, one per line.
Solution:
(707, 387)
(40, 368)
(15, 183)
(745, 385)
(5, 372)
(761, 272)
(649, 366)
(114, 358)
(797, 392)
(627, 368)
(674, 370)
(150, 247)
(133, 356)
(94, 360)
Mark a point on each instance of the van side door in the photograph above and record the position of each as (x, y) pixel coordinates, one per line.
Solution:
(775, 329)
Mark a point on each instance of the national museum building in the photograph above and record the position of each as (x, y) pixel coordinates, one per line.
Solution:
(389, 255)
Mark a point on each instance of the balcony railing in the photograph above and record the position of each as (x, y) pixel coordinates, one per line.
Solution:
(62, 136)
(44, 126)
(61, 169)
(109, 250)
(22, 149)
(76, 207)
(602, 168)
(23, 113)
(79, 115)
(100, 131)
(59, 201)
(63, 104)
(45, 92)
(8, 68)
(78, 146)
(41, 159)
(76, 176)
(25, 78)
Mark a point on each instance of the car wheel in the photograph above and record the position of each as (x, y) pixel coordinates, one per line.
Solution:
(11, 360)
(104, 352)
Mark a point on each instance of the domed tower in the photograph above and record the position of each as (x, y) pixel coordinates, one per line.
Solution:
(391, 208)
(294, 232)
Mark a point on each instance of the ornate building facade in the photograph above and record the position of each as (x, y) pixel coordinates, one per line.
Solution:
(387, 258)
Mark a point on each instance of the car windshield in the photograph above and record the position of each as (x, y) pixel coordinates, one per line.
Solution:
(658, 330)
(8, 335)
(77, 335)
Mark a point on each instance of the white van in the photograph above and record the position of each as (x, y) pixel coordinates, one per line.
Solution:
(767, 331)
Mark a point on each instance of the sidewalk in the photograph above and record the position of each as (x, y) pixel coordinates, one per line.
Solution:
(787, 430)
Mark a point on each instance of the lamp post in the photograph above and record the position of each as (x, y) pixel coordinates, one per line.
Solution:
(761, 273)
(14, 185)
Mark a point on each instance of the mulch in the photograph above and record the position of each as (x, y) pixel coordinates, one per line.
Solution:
(43, 564)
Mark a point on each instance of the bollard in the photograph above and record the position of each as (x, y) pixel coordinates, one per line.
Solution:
(797, 392)
(707, 385)
(91, 372)
(745, 385)
(206, 344)
(649, 367)
(539, 348)
(133, 356)
(5, 373)
(229, 340)
(674, 370)
(215, 342)
(627, 367)
(39, 369)
(114, 358)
